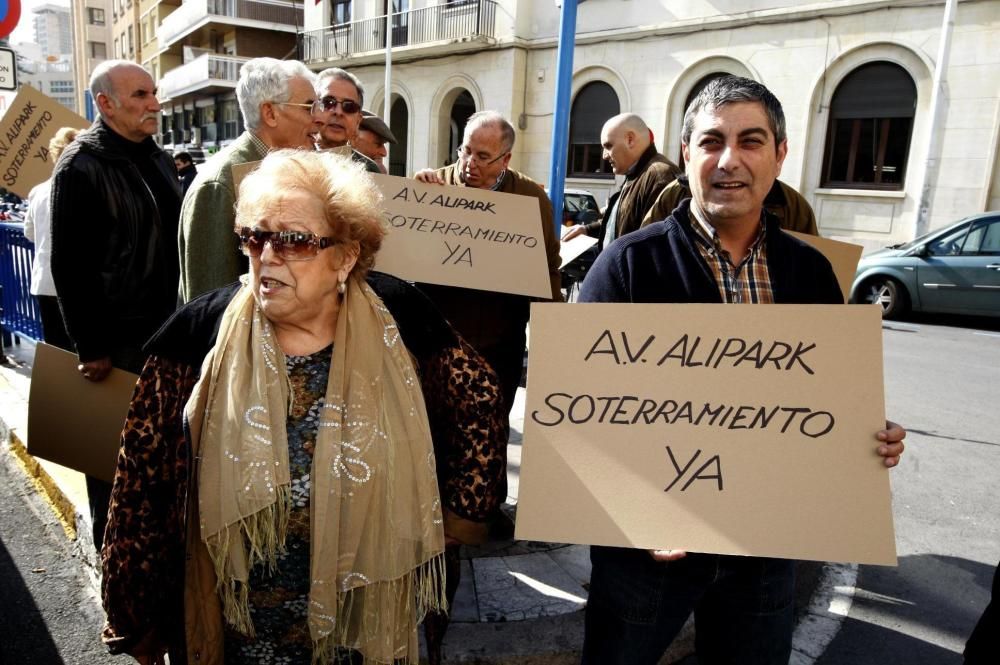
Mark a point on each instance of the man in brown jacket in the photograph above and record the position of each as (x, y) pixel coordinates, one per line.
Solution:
(493, 323)
(792, 210)
(628, 144)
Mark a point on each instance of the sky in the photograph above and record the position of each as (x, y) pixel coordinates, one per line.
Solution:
(25, 30)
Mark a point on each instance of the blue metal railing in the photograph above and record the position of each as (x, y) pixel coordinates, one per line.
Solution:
(20, 314)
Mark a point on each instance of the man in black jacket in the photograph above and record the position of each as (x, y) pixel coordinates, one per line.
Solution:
(186, 170)
(720, 246)
(115, 203)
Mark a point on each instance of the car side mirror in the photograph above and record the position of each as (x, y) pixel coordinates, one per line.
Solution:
(923, 251)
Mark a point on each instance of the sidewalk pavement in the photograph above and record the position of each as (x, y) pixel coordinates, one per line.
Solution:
(518, 603)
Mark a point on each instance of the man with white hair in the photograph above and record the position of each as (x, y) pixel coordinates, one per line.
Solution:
(277, 99)
(627, 143)
(114, 203)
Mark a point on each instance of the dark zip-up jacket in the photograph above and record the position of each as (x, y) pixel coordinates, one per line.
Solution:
(114, 256)
(661, 264)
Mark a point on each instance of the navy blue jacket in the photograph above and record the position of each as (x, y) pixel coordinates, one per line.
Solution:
(661, 264)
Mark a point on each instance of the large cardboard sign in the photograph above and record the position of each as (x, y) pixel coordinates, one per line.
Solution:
(463, 236)
(25, 131)
(734, 429)
(73, 421)
(843, 257)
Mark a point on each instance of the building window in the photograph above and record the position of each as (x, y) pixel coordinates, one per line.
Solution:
(871, 122)
(98, 50)
(230, 120)
(95, 16)
(131, 47)
(61, 86)
(594, 104)
(340, 12)
(118, 48)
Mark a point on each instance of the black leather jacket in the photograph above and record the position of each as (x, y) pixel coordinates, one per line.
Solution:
(114, 251)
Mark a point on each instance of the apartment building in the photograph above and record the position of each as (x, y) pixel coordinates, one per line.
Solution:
(91, 25)
(855, 78)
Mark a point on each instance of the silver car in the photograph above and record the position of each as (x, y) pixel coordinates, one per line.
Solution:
(954, 270)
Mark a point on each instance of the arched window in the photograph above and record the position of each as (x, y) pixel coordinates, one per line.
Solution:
(463, 107)
(594, 104)
(399, 120)
(871, 122)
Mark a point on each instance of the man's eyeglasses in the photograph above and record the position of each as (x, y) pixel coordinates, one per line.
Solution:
(328, 103)
(480, 158)
(289, 245)
(305, 105)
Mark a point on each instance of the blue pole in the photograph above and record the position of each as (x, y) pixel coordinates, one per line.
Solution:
(560, 118)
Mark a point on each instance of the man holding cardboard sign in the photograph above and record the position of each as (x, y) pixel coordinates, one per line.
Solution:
(719, 247)
(493, 323)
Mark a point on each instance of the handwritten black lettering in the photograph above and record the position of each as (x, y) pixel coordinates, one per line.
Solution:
(464, 257)
(646, 410)
(714, 460)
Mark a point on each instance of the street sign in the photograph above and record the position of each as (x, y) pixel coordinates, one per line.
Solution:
(10, 14)
(8, 69)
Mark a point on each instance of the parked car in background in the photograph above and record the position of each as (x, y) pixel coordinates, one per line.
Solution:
(579, 207)
(954, 270)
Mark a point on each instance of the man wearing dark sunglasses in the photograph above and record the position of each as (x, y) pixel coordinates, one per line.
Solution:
(276, 99)
(339, 97)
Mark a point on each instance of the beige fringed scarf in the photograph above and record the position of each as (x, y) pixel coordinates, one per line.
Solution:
(376, 528)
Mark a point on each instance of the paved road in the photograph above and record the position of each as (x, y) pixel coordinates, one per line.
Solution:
(943, 384)
(48, 614)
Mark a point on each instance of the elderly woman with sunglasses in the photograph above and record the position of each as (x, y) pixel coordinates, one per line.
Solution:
(278, 496)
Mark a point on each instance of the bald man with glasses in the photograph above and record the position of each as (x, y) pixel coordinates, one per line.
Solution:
(493, 323)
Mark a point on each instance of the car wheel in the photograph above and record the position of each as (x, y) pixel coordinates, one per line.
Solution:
(888, 294)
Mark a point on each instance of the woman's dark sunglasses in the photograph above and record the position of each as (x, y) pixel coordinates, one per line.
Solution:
(328, 103)
(289, 245)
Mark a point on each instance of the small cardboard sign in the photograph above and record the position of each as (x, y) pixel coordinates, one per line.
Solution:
(732, 429)
(73, 421)
(463, 236)
(570, 249)
(843, 256)
(26, 128)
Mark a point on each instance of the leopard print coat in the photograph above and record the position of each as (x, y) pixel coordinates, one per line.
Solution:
(144, 552)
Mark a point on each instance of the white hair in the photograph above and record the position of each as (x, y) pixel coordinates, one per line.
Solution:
(495, 119)
(266, 80)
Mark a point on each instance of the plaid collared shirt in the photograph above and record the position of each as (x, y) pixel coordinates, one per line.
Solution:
(263, 147)
(749, 282)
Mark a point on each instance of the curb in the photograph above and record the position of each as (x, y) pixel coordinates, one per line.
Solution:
(47, 488)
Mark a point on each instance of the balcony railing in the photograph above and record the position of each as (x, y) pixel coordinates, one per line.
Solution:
(441, 23)
(283, 15)
(202, 72)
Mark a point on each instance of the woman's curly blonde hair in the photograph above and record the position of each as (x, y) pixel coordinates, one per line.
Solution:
(352, 203)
